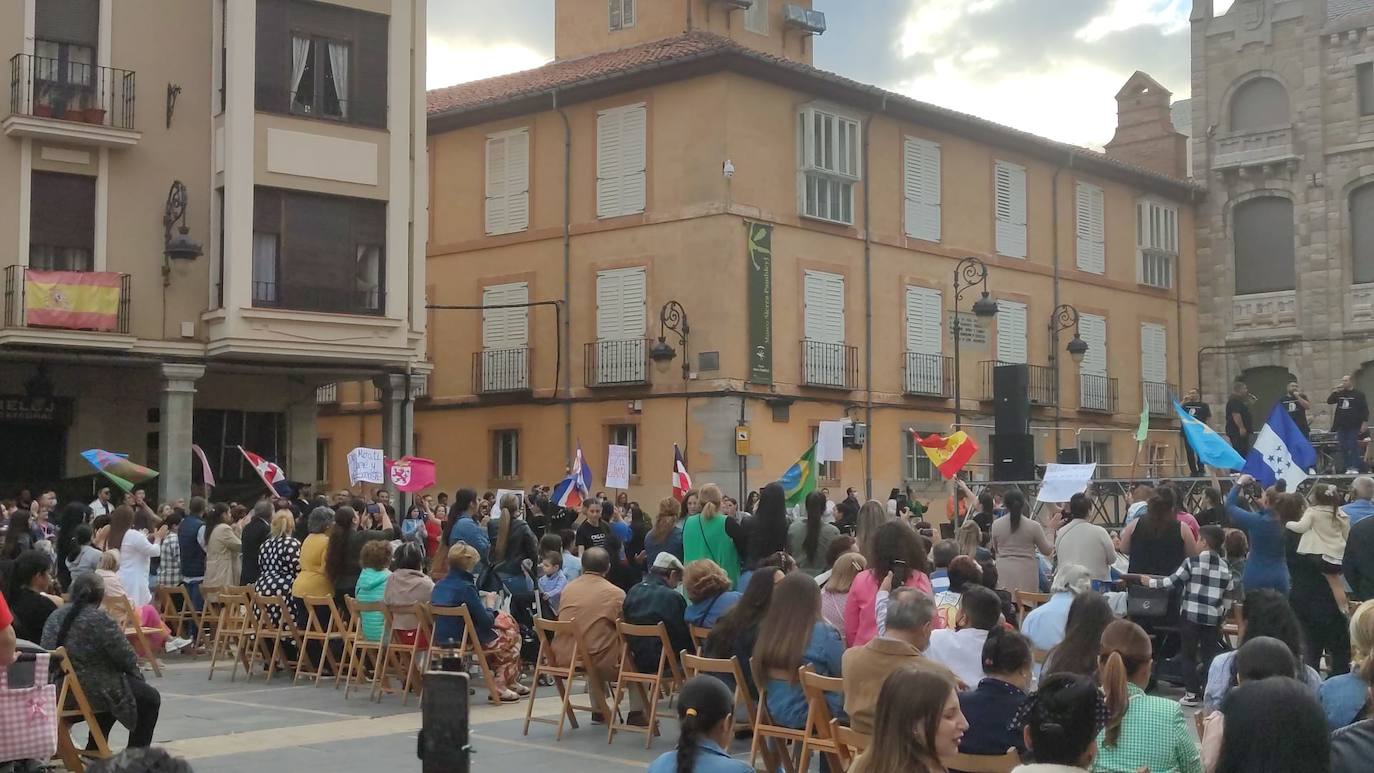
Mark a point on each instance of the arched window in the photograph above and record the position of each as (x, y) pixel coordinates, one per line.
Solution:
(1267, 383)
(1362, 233)
(1261, 103)
(1262, 229)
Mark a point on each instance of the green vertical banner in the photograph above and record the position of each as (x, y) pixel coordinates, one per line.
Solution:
(760, 302)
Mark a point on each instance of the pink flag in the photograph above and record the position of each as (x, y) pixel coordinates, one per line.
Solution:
(205, 474)
(411, 473)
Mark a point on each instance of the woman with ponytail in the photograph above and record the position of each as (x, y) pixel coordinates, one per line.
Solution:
(1142, 731)
(709, 534)
(809, 538)
(1015, 540)
(705, 711)
(513, 545)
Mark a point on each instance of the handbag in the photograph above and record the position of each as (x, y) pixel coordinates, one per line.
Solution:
(1144, 603)
(28, 714)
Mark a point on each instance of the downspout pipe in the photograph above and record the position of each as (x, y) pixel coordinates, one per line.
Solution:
(868, 303)
(567, 279)
(1054, 332)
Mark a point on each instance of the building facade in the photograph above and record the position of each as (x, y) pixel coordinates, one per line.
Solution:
(809, 228)
(1283, 126)
(212, 208)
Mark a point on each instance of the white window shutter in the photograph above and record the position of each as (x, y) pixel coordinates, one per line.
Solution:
(1010, 209)
(518, 181)
(1154, 364)
(621, 161)
(635, 159)
(497, 179)
(633, 304)
(1091, 229)
(923, 315)
(1011, 332)
(921, 183)
(505, 328)
(1093, 330)
(824, 307)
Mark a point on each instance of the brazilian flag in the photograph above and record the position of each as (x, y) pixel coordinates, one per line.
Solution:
(800, 479)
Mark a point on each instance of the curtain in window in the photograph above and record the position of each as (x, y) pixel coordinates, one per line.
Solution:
(300, 57)
(369, 276)
(265, 267)
(338, 63)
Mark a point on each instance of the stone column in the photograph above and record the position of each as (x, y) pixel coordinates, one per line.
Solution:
(177, 403)
(398, 416)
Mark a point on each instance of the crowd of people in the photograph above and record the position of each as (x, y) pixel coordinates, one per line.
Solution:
(930, 629)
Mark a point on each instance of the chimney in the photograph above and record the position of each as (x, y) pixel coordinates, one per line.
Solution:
(1145, 133)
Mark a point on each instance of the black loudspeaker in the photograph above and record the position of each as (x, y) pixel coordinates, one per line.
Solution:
(1068, 456)
(1011, 399)
(1013, 457)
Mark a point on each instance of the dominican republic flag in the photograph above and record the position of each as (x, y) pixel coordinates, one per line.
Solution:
(272, 475)
(577, 486)
(682, 481)
(1280, 451)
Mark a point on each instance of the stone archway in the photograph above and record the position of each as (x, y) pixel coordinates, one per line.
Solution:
(1267, 383)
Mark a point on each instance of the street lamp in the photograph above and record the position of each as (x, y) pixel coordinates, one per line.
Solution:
(969, 272)
(1065, 317)
(671, 318)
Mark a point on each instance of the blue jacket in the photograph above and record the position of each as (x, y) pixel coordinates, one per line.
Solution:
(459, 589)
(465, 529)
(710, 759)
(192, 554)
(1267, 565)
(673, 545)
(786, 702)
(1343, 697)
(989, 710)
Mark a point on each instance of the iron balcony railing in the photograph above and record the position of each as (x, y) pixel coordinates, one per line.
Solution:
(929, 375)
(1042, 389)
(829, 365)
(1097, 393)
(44, 87)
(327, 394)
(419, 387)
(501, 371)
(305, 297)
(17, 313)
(616, 362)
(1159, 396)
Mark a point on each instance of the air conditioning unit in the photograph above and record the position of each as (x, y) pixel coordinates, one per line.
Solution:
(808, 21)
(855, 435)
(742, 4)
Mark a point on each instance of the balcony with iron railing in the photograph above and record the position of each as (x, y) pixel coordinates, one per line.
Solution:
(1097, 394)
(71, 102)
(1159, 396)
(501, 371)
(829, 365)
(96, 301)
(929, 375)
(327, 394)
(1041, 389)
(620, 362)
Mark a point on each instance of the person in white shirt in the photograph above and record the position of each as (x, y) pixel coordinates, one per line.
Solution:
(961, 649)
(102, 505)
(1140, 496)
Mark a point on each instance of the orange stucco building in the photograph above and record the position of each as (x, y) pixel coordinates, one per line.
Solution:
(809, 226)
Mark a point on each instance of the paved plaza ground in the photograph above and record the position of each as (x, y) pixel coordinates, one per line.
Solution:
(274, 727)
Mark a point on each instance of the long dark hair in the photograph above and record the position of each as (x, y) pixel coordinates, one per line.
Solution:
(1267, 613)
(19, 527)
(703, 703)
(1125, 650)
(898, 550)
(769, 533)
(904, 732)
(121, 520)
(28, 565)
(786, 629)
(1274, 725)
(72, 516)
(463, 500)
(753, 604)
(1161, 514)
(815, 510)
(216, 515)
(87, 591)
(336, 553)
(1089, 616)
(1015, 502)
(80, 538)
(1063, 719)
(509, 504)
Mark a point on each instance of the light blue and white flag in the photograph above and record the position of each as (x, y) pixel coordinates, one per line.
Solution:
(1280, 451)
(1211, 448)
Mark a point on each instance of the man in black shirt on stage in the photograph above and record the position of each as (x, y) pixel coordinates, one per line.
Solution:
(1352, 413)
(1193, 406)
(1239, 427)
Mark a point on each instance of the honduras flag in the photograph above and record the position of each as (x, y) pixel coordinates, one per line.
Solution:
(1211, 448)
(577, 486)
(1280, 451)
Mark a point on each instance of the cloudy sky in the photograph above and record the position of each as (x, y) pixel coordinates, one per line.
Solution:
(1045, 66)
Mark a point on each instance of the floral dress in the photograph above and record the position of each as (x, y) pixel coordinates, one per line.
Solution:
(280, 560)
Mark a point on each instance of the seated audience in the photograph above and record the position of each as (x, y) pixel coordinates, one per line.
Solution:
(1345, 697)
(736, 632)
(374, 559)
(1060, 723)
(1259, 658)
(1237, 553)
(1274, 725)
(708, 589)
(552, 581)
(838, 547)
(792, 635)
(1089, 616)
(27, 594)
(652, 601)
(961, 647)
(667, 532)
(964, 572)
(593, 605)
(146, 616)
(279, 561)
(1265, 613)
(1143, 731)
(897, 551)
(150, 759)
(941, 555)
(1352, 747)
(910, 621)
(970, 538)
(1082, 542)
(1045, 624)
(408, 585)
(499, 634)
(83, 558)
(919, 728)
(105, 663)
(994, 703)
(705, 711)
(835, 591)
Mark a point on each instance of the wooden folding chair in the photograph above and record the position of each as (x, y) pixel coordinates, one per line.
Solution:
(358, 648)
(1027, 600)
(232, 632)
(852, 743)
(119, 608)
(326, 635)
(269, 637)
(562, 674)
(469, 643)
(984, 763)
(405, 657)
(699, 636)
(766, 733)
(350, 628)
(661, 683)
(73, 708)
(178, 613)
(209, 611)
(818, 737)
(1230, 627)
(694, 665)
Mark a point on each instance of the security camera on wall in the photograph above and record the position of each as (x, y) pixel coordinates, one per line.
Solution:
(728, 169)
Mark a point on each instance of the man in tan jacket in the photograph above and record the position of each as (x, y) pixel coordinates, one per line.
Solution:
(594, 606)
(910, 620)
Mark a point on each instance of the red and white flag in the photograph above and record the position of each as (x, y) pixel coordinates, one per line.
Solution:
(682, 481)
(411, 473)
(272, 475)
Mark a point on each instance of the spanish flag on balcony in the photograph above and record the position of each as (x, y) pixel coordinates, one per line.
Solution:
(948, 454)
(76, 300)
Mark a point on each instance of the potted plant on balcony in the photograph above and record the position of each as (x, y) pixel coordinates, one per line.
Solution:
(42, 95)
(95, 115)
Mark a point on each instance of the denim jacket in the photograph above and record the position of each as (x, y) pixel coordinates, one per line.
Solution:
(1342, 699)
